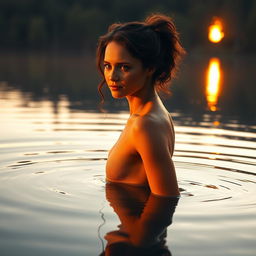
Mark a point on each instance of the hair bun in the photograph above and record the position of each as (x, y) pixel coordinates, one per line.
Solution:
(159, 22)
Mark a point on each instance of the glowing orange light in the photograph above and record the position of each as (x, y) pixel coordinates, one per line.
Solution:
(213, 83)
(216, 33)
(216, 123)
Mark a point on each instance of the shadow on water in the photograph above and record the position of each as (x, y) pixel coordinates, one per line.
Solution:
(144, 219)
(51, 77)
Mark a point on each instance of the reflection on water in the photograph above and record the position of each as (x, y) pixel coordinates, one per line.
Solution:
(144, 220)
(213, 83)
(53, 191)
(43, 76)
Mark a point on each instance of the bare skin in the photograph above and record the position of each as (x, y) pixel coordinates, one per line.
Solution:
(142, 155)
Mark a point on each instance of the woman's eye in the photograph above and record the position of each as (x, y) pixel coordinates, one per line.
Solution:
(107, 66)
(125, 68)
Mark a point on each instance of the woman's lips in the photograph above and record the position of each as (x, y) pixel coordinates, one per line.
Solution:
(115, 87)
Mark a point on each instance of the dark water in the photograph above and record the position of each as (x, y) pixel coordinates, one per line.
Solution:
(53, 195)
(46, 76)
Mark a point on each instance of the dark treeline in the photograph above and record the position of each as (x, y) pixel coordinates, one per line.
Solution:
(76, 24)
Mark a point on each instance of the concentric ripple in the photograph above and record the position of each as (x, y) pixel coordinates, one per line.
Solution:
(52, 192)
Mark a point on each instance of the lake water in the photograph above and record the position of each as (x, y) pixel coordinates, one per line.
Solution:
(54, 199)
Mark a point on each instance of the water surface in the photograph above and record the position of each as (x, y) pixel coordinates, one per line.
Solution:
(53, 196)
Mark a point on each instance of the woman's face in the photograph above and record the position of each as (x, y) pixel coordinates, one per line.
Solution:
(124, 74)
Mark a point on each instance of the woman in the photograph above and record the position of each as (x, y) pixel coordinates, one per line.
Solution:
(137, 60)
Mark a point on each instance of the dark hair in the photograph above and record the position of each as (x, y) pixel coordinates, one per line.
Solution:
(155, 42)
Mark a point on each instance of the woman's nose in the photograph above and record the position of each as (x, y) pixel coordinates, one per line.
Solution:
(114, 76)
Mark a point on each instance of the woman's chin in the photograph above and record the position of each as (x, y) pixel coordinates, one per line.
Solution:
(117, 95)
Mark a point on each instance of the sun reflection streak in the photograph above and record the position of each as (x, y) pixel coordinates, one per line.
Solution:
(213, 83)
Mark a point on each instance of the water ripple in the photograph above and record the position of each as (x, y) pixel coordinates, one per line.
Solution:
(52, 175)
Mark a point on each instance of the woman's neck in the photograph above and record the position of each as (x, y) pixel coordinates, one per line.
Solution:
(141, 104)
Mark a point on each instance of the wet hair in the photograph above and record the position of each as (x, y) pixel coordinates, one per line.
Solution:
(155, 42)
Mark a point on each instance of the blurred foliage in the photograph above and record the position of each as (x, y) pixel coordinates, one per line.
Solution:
(76, 24)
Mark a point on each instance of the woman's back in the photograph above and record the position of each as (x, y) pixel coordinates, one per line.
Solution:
(124, 161)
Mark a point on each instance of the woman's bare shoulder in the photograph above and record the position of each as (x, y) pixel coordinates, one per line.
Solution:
(146, 122)
(148, 125)
(158, 130)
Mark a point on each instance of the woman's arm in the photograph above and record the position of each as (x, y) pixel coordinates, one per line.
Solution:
(151, 142)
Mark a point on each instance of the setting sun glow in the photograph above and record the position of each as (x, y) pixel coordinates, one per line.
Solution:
(216, 33)
(213, 83)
